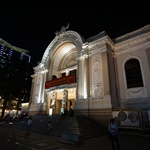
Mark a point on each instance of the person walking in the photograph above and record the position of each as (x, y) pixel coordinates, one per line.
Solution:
(29, 124)
(49, 127)
(113, 134)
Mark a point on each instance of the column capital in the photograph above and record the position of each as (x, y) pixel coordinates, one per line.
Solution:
(83, 56)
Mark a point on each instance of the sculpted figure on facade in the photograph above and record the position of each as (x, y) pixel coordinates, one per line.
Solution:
(62, 31)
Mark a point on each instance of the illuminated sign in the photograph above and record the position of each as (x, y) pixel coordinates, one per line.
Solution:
(64, 80)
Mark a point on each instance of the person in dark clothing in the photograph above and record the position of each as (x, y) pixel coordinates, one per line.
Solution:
(28, 124)
(71, 112)
(113, 133)
(49, 127)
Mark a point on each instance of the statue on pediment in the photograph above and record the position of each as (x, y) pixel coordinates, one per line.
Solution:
(62, 31)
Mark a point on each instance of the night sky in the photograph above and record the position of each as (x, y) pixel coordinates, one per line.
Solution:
(32, 25)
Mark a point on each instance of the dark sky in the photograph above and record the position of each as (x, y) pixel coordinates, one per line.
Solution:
(32, 25)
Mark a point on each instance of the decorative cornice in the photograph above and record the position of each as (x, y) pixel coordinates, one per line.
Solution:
(101, 43)
(72, 34)
(40, 69)
(39, 72)
(41, 65)
(132, 42)
(82, 57)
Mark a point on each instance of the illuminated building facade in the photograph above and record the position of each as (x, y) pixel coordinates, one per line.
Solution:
(94, 77)
(15, 76)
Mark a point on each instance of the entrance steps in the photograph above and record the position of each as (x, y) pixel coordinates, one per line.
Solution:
(77, 125)
(89, 128)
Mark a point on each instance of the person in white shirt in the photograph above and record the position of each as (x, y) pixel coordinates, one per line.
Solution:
(113, 133)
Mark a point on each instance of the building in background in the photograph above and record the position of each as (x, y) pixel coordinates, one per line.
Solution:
(15, 78)
(99, 77)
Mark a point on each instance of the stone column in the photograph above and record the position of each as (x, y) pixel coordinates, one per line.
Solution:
(64, 98)
(32, 89)
(82, 91)
(38, 104)
(53, 99)
(68, 105)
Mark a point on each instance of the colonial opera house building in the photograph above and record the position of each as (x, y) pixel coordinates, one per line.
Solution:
(97, 77)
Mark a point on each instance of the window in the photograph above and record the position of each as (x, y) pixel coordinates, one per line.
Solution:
(54, 77)
(133, 73)
(63, 74)
(73, 72)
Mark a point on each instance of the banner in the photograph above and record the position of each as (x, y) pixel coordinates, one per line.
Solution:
(64, 80)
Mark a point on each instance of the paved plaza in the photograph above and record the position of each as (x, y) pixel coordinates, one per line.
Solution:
(16, 139)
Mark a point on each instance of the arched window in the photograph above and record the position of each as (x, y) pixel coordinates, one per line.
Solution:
(54, 77)
(133, 73)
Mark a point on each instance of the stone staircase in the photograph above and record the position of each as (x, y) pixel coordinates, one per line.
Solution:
(82, 126)
(89, 128)
(79, 125)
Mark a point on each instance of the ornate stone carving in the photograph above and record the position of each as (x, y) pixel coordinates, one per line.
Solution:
(136, 93)
(96, 77)
(40, 69)
(97, 91)
(83, 56)
(71, 35)
(96, 69)
(131, 42)
(62, 32)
